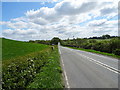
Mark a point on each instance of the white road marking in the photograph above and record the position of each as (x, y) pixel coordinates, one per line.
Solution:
(66, 78)
(59, 50)
(97, 55)
(68, 86)
(98, 62)
(101, 64)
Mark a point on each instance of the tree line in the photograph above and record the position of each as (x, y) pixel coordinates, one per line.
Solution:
(105, 43)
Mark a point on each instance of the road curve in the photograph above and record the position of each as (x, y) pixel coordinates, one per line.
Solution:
(86, 70)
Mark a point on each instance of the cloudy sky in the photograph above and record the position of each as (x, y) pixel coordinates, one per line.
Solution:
(63, 19)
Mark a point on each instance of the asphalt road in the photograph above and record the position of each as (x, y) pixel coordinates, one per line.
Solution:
(87, 70)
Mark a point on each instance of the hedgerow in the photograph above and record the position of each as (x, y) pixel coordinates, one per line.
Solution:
(50, 75)
(19, 72)
(104, 45)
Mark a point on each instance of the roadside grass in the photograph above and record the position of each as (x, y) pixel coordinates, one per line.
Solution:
(12, 49)
(50, 75)
(97, 52)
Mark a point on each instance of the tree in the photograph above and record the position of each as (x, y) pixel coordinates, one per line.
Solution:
(31, 41)
(106, 36)
(55, 41)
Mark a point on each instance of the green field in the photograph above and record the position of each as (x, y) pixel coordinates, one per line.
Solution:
(12, 48)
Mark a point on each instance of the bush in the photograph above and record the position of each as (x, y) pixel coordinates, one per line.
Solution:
(105, 47)
(97, 46)
(116, 51)
(87, 45)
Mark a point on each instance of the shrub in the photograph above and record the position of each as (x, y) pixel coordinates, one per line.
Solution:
(115, 43)
(116, 51)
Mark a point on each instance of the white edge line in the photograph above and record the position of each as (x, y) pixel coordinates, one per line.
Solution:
(68, 86)
(59, 50)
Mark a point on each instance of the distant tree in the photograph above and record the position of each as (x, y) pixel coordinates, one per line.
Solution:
(55, 41)
(106, 36)
(94, 37)
(31, 41)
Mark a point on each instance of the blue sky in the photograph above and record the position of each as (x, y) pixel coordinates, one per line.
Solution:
(11, 10)
(17, 9)
(63, 19)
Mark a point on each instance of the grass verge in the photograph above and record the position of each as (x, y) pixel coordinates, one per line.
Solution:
(98, 52)
(50, 75)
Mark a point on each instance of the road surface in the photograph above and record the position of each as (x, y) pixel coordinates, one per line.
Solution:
(87, 70)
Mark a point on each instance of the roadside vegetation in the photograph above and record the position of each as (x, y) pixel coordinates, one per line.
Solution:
(50, 76)
(106, 46)
(38, 67)
(97, 52)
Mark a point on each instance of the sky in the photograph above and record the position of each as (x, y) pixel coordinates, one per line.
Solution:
(64, 19)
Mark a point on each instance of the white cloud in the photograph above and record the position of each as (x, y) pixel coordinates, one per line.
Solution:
(95, 23)
(63, 20)
(61, 10)
(16, 25)
(39, 21)
(19, 19)
(74, 7)
(19, 32)
(107, 10)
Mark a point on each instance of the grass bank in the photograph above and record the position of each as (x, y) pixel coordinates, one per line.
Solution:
(50, 75)
(97, 52)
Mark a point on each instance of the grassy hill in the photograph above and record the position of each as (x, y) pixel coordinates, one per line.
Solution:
(12, 48)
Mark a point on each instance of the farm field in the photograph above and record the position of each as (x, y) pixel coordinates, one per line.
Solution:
(12, 48)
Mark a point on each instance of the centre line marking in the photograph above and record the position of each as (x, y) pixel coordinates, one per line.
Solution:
(101, 64)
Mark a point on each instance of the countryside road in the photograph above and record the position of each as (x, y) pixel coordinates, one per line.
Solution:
(87, 70)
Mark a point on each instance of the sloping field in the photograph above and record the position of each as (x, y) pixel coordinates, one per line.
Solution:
(12, 48)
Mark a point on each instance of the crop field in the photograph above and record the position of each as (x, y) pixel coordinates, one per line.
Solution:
(29, 65)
